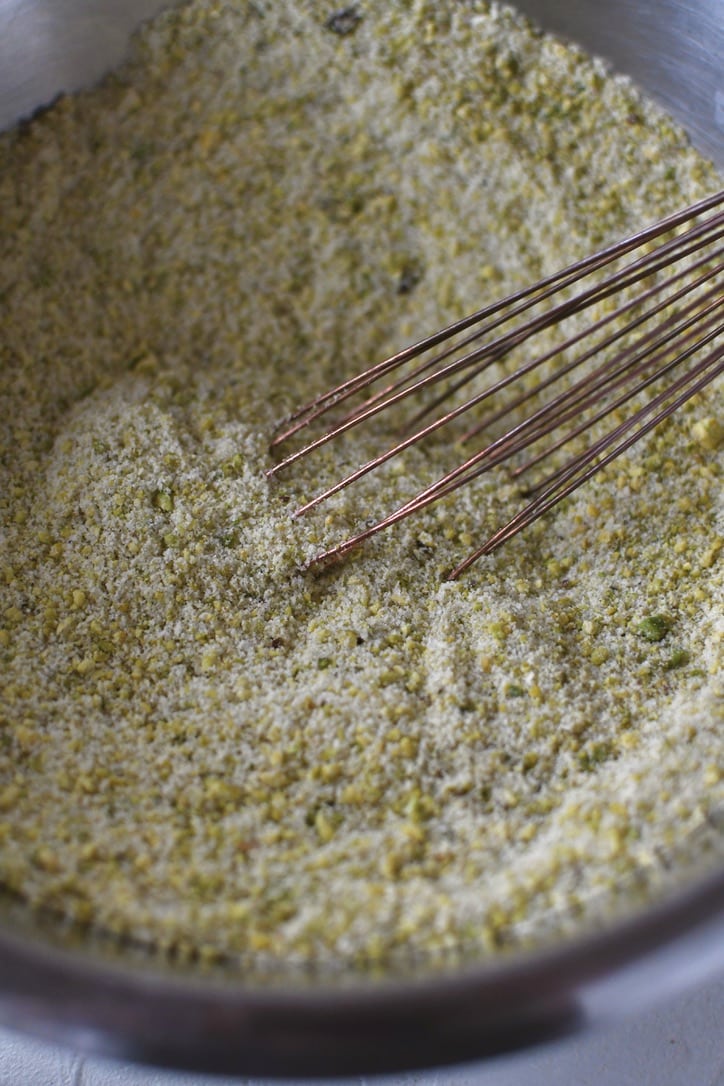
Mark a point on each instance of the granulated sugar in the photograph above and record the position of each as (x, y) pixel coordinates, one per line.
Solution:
(207, 748)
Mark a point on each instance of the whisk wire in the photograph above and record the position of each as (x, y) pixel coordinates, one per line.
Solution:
(533, 293)
(572, 475)
(543, 422)
(621, 331)
(557, 492)
(620, 379)
(683, 311)
(626, 277)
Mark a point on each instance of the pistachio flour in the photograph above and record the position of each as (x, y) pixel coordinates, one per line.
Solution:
(202, 746)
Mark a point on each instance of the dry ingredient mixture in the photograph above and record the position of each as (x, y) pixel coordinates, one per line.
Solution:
(202, 746)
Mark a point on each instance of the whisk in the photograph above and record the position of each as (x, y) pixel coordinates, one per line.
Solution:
(658, 328)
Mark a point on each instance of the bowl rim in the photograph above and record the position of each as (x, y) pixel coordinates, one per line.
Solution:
(216, 1023)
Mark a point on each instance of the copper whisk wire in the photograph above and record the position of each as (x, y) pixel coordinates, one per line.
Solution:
(618, 356)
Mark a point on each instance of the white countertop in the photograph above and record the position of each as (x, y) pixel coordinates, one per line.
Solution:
(680, 1043)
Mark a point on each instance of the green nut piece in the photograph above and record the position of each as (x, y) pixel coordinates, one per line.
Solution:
(654, 627)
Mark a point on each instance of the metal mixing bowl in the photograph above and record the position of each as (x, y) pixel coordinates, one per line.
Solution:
(119, 1003)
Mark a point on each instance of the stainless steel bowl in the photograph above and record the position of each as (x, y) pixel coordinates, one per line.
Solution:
(120, 1003)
